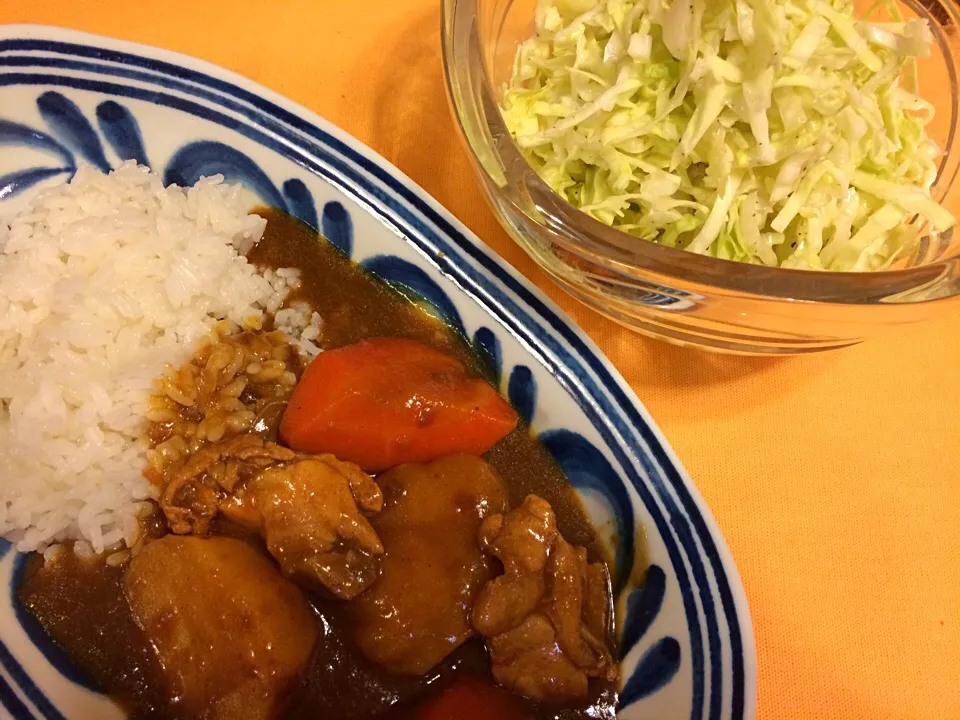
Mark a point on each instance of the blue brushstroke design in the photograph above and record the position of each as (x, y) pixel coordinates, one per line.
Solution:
(300, 202)
(588, 469)
(643, 606)
(21, 679)
(38, 636)
(414, 283)
(16, 182)
(207, 157)
(684, 532)
(12, 133)
(122, 131)
(5, 547)
(656, 668)
(337, 227)
(487, 346)
(68, 123)
(522, 391)
(12, 704)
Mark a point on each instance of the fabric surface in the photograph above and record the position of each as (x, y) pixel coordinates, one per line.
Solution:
(835, 478)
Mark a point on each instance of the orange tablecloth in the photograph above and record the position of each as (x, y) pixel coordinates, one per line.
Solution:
(835, 478)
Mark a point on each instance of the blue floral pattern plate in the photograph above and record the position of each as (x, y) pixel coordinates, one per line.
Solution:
(67, 98)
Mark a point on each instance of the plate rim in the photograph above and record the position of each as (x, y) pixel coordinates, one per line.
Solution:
(53, 33)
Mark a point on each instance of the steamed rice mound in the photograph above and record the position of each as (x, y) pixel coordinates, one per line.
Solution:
(104, 282)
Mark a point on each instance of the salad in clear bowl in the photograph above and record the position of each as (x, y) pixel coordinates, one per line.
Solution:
(691, 168)
(778, 134)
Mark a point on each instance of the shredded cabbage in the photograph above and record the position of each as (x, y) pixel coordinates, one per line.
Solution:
(773, 132)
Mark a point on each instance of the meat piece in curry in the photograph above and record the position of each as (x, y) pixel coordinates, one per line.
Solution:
(231, 633)
(310, 514)
(419, 610)
(296, 585)
(545, 631)
(194, 490)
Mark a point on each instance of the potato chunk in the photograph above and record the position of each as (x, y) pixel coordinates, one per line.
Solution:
(232, 634)
(419, 610)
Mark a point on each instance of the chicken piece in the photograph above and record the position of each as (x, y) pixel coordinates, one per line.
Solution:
(567, 580)
(308, 509)
(528, 660)
(232, 635)
(309, 513)
(546, 618)
(433, 566)
(194, 489)
(521, 543)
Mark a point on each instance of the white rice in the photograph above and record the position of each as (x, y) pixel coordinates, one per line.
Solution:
(103, 282)
(302, 325)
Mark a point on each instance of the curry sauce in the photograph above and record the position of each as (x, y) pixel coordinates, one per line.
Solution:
(82, 606)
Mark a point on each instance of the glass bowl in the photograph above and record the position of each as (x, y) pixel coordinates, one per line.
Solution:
(672, 294)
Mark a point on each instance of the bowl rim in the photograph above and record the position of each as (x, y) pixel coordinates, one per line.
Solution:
(514, 182)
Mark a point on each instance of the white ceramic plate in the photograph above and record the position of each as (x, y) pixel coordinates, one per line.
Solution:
(68, 98)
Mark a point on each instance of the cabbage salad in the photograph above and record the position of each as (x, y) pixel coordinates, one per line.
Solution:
(778, 132)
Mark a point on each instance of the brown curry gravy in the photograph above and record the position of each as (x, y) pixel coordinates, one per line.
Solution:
(82, 607)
